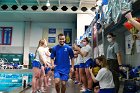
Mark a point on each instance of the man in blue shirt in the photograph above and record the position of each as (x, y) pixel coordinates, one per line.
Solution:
(60, 59)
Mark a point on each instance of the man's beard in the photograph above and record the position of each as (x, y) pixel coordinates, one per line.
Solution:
(61, 44)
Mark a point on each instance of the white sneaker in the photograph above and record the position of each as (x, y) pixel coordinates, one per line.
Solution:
(69, 79)
(83, 90)
(70, 82)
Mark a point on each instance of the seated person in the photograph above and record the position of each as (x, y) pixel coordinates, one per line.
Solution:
(104, 76)
(95, 71)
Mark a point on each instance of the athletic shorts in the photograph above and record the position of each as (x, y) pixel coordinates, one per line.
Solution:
(47, 70)
(90, 63)
(109, 90)
(82, 65)
(61, 76)
(36, 64)
(76, 66)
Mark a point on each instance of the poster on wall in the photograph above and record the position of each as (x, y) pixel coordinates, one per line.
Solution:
(5, 35)
(51, 35)
(52, 31)
(68, 35)
(128, 43)
(51, 39)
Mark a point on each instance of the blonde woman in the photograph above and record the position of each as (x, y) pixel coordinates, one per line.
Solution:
(37, 65)
(45, 68)
(104, 76)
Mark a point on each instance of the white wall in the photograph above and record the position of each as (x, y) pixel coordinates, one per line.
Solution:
(36, 34)
(18, 32)
(82, 21)
(37, 29)
(133, 60)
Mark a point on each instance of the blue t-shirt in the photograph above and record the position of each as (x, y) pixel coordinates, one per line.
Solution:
(62, 56)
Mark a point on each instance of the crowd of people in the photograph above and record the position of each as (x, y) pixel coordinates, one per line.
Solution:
(99, 75)
(64, 61)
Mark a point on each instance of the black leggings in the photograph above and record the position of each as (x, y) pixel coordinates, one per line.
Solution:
(114, 68)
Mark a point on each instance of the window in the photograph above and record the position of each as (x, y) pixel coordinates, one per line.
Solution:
(5, 35)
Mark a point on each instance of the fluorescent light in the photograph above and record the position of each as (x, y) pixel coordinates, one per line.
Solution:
(48, 3)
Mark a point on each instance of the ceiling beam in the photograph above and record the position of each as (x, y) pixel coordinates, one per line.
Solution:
(80, 3)
(18, 2)
(49, 10)
(59, 2)
(38, 1)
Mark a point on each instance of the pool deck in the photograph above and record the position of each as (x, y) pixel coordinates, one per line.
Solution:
(71, 88)
(16, 70)
(51, 89)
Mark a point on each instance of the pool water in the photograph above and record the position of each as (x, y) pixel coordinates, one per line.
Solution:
(10, 81)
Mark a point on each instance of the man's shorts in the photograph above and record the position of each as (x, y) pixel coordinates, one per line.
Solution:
(61, 76)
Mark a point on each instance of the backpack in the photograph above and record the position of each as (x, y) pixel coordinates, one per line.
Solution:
(130, 86)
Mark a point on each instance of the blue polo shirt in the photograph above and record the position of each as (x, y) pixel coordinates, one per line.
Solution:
(62, 56)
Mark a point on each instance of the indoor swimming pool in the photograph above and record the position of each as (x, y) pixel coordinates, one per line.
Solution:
(10, 81)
